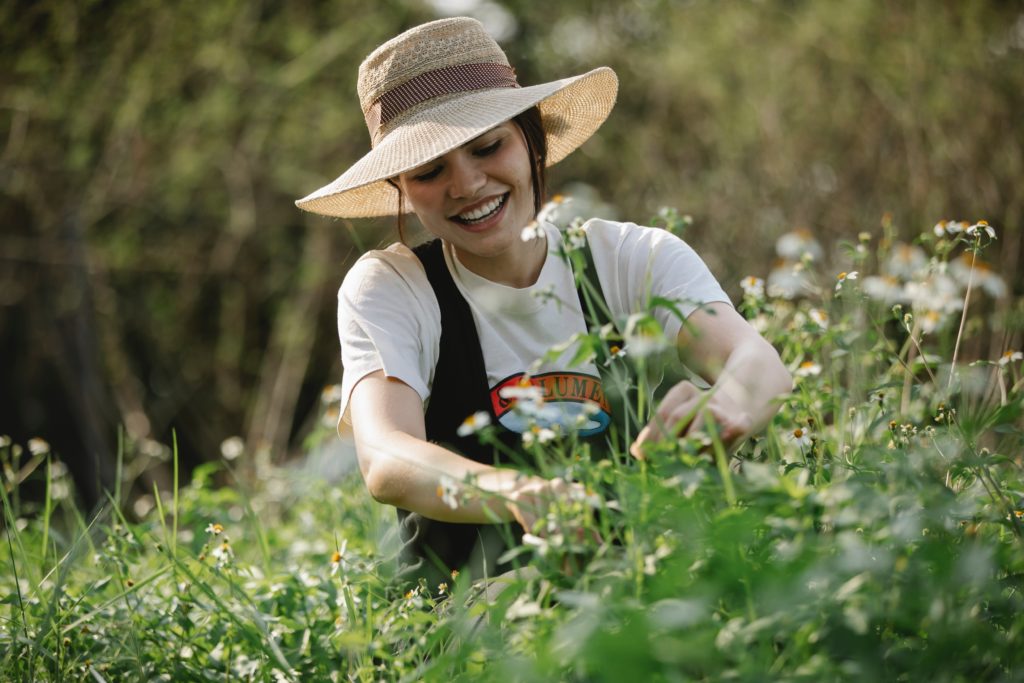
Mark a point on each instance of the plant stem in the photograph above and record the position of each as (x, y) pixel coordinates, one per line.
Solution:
(963, 319)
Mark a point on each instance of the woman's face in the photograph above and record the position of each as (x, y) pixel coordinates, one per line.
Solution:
(478, 197)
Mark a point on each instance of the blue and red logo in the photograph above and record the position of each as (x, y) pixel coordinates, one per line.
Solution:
(572, 400)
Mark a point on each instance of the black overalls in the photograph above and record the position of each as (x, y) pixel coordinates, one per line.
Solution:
(431, 548)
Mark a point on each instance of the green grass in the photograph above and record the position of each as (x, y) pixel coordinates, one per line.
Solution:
(872, 532)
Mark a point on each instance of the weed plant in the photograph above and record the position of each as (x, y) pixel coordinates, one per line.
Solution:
(872, 532)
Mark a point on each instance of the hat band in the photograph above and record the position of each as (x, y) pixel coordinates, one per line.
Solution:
(430, 84)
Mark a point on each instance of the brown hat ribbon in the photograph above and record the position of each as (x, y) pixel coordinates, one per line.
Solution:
(430, 84)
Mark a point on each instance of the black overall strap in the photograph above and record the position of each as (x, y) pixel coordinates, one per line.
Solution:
(460, 388)
(431, 548)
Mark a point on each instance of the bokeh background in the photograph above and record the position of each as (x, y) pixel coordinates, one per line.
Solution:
(157, 280)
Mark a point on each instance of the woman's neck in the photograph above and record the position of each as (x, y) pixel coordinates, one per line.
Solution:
(517, 267)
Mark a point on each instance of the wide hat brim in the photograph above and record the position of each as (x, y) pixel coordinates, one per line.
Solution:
(571, 109)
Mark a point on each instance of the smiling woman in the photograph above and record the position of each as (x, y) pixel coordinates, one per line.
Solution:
(453, 336)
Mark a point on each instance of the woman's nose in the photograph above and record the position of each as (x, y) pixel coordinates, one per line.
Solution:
(467, 179)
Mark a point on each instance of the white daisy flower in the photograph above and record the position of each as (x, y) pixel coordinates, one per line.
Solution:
(753, 287)
(524, 390)
(788, 280)
(644, 336)
(798, 244)
(885, 288)
(474, 423)
(448, 492)
(808, 369)
(1009, 357)
(801, 437)
(37, 446)
(532, 231)
(338, 558)
(534, 541)
(980, 227)
(232, 447)
(906, 261)
(843, 277)
(818, 317)
(539, 435)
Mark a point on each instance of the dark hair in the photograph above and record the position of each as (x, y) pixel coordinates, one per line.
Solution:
(532, 125)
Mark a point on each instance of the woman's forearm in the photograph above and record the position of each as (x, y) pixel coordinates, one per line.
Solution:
(410, 473)
(754, 378)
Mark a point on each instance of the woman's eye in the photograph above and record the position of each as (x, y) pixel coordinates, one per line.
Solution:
(489, 149)
(427, 175)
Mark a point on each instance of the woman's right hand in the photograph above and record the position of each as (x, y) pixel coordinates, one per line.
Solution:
(530, 501)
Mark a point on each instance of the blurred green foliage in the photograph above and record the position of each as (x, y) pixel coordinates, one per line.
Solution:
(156, 274)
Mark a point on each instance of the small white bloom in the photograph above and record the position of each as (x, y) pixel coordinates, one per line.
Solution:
(523, 608)
(215, 528)
(538, 434)
(5, 441)
(523, 391)
(885, 288)
(551, 212)
(582, 495)
(644, 336)
(970, 268)
(808, 369)
(801, 437)
(338, 558)
(798, 244)
(843, 277)
(613, 353)
(331, 394)
(474, 423)
(577, 236)
(753, 287)
(979, 227)
(788, 280)
(930, 321)
(818, 317)
(223, 554)
(1010, 356)
(531, 232)
(232, 447)
(537, 542)
(448, 492)
(906, 261)
(246, 668)
(37, 446)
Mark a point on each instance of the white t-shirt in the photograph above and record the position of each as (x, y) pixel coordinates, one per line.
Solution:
(389, 319)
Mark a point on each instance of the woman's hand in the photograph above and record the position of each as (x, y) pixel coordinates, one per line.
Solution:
(685, 410)
(748, 376)
(532, 499)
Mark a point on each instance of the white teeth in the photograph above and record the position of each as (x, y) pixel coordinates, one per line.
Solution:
(482, 211)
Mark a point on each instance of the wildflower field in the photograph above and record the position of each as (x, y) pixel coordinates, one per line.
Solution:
(872, 532)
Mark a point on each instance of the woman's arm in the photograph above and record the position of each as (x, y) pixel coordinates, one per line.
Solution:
(745, 371)
(401, 468)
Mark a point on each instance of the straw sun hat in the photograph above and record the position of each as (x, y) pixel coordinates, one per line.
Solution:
(436, 87)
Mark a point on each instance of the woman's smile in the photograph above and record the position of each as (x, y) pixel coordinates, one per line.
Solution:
(481, 211)
(483, 214)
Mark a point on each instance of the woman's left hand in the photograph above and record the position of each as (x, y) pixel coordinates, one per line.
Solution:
(747, 375)
(686, 409)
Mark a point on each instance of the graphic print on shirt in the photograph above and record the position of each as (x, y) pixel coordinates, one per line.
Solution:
(571, 400)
